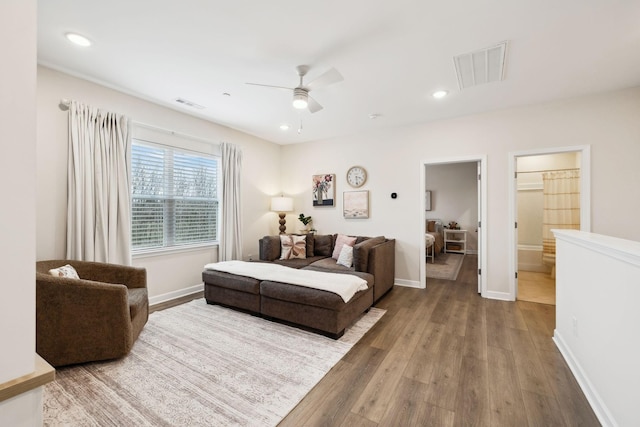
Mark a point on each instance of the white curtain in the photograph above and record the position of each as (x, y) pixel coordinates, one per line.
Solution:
(231, 230)
(561, 205)
(98, 201)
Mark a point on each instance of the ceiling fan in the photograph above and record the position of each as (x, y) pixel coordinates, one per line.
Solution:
(301, 97)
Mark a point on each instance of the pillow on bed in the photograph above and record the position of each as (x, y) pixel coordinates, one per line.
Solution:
(340, 241)
(293, 246)
(431, 226)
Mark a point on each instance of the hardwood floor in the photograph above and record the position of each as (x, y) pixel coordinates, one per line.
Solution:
(447, 357)
(174, 302)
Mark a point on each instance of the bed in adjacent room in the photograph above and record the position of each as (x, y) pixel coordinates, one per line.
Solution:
(434, 237)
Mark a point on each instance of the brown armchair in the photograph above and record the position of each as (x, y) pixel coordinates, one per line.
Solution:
(96, 317)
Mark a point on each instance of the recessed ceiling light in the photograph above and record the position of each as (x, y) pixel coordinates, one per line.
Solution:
(284, 127)
(439, 94)
(374, 116)
(77, 39)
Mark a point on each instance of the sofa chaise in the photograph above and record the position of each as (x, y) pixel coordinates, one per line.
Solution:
(319, 310)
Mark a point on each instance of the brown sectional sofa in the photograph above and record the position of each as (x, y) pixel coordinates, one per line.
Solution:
(322, 311)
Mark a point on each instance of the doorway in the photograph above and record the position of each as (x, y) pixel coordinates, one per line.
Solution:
(447, 204)
(550, 191)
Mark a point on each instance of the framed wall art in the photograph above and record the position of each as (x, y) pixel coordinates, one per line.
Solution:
(355, 204)
(323, 189)
(427, 200)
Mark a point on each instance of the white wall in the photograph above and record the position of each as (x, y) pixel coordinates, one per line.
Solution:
(167, 274)
(597, 320)
(454, 196)
(17, 217)
(393, 158)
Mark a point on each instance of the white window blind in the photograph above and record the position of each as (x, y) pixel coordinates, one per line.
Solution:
(174, 196)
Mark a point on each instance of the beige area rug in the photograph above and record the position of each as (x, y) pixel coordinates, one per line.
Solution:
(200, 365)
(446, 266)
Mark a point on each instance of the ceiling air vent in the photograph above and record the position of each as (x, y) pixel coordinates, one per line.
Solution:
(189, 103)
(480, 67)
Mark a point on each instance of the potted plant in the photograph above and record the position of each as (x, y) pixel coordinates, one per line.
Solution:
(305, 220)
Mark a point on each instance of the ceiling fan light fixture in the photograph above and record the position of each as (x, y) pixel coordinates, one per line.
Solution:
(300, 99)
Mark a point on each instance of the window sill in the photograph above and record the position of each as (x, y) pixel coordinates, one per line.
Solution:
(173, 250)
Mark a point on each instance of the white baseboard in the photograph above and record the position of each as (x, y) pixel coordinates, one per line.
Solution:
(599, 408)
(408, 283)
(176, 294)
(502, 296)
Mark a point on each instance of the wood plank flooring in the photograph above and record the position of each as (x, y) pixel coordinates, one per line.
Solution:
(176, 301)
(447, 357)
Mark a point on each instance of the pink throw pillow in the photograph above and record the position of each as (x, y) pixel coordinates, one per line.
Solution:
(340, 241)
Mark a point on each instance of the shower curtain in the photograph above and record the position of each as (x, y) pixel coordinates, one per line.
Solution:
(561, 206)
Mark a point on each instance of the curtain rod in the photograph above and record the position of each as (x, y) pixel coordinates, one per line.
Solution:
(549, 170)
(65, 103)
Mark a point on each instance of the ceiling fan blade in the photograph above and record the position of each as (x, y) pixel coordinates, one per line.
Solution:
(330, 77)
(313, 105)
(277, 87)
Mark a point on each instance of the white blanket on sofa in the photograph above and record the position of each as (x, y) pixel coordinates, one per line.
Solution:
(345, 285)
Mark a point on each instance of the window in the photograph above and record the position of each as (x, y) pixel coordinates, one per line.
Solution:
(174, 197)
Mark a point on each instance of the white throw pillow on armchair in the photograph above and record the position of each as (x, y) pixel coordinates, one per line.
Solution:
(64, 271)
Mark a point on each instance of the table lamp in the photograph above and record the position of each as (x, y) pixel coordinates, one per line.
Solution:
(282, 205)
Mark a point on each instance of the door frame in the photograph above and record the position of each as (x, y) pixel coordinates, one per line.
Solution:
(585, 200)
(482, 204)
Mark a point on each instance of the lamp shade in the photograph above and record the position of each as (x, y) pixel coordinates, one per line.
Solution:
(281, 204)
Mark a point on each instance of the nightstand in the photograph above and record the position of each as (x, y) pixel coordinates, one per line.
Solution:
(455, 241)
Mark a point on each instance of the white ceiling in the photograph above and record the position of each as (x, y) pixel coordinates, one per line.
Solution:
(392, 54)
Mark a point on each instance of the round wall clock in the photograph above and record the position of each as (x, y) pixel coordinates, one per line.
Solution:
(356, 176)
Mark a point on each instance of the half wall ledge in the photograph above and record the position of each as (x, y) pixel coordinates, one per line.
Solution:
(43, 374)
(597, 294)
